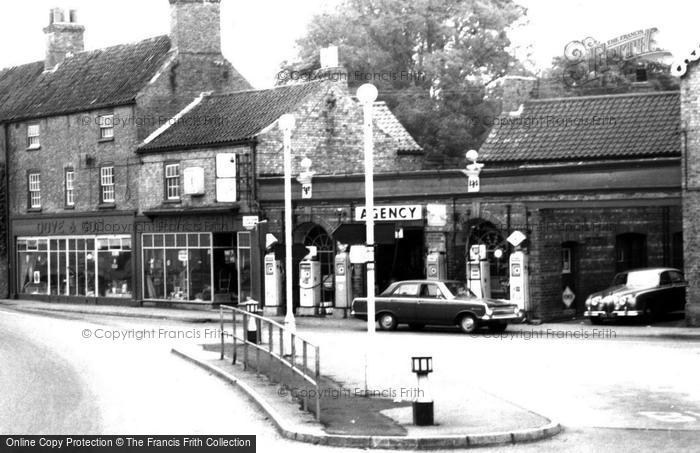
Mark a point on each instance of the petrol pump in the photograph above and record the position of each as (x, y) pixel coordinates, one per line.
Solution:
(479, 271)
(309, 284)
(519, 280)
(273, 285)
(343, 285)
(435, 268)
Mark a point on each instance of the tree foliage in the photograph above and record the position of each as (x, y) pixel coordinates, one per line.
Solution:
(611, 76)
(430, 60)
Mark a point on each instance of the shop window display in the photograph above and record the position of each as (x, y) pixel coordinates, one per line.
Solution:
(177, 267)
(33, 263)
(75, 266)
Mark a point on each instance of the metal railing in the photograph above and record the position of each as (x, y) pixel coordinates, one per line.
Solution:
(270, 338)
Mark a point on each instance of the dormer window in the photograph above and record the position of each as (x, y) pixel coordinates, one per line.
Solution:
(33, 137)
(106, 123)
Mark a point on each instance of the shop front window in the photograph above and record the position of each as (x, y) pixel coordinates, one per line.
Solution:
(76, 266)
(177, 267)
(114, 266)
(33, 264)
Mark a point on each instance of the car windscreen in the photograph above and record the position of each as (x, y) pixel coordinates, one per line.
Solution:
(643, 278)
(620, 279)
(459, 289)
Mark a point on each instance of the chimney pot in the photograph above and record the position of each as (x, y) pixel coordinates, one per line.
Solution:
(329, 57)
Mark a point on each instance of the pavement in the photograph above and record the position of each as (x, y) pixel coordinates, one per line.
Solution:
(667, 328)
(349, 419)
(173, 314)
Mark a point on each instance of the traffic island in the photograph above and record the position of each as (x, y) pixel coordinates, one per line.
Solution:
(349, 419)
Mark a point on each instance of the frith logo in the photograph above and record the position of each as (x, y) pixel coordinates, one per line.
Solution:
(588, 59)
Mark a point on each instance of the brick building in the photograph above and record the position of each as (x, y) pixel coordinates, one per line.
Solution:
(71, 125)
(138, 193)
(593, 198)
(244, 125)
(690, 180)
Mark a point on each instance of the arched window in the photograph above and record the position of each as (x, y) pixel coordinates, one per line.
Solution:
(316, 236)
(483, 232)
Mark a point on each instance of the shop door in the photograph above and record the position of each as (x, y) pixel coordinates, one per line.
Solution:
(402, 260)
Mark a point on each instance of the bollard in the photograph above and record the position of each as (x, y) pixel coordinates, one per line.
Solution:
(423, 410)
(253, 332)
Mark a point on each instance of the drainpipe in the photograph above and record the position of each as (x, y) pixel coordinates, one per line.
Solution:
(8, 225)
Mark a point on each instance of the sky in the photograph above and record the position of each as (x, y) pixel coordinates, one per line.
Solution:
(258, 35)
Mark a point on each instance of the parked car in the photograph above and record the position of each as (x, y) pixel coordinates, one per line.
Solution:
(638, 293)
(436, 302)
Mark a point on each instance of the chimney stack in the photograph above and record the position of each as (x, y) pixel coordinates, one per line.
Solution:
(64, 36)
(195, 26)
(331, 69)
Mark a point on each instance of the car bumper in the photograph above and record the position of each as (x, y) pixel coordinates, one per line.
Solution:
(503, 318)
(612, 314)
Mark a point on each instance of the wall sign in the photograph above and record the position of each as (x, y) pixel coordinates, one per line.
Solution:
(391, 213)
(437, 214)
(249, 221)
(568, 297)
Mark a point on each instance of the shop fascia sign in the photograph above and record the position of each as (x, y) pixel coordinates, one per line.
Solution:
(391, 213)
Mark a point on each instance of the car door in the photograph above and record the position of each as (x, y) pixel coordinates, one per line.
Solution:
(678, 283)
(664, 297)
(402, 301)
(432, 305)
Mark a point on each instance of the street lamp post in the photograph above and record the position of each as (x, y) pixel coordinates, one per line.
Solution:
(367, 94)
(287, 123)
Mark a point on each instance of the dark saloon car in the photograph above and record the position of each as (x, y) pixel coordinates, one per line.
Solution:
(639, 293)
(440, 303)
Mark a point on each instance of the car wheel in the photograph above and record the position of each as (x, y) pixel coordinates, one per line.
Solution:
(467, 323)
(387, 321)
(649, 315)
(416, 326)
(498, 328)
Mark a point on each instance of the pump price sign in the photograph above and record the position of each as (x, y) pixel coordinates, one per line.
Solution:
(473, 184)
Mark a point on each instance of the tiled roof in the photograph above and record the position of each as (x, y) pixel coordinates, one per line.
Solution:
(392, 126)
(87, 80)
(230, 117)
(588, 128)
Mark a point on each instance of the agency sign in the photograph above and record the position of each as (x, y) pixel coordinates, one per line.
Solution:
(391, 213)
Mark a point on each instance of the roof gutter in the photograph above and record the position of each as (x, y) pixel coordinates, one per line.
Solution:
(92, 108)
(164, 149)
